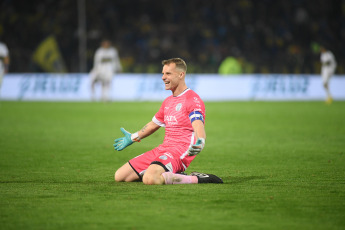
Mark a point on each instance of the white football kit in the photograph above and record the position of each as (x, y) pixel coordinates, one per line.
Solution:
(3, 54)
(106, 63)
(329, 65)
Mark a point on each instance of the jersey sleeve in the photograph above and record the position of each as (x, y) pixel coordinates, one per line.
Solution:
(117, 63)
(158, 118)
(97, 57)
(196, 109)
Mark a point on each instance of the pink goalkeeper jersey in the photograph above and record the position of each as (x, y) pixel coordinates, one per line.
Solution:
(177, 114)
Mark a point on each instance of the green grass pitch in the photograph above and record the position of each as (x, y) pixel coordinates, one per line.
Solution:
(283, 166)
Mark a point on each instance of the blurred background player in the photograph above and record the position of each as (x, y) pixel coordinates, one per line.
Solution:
(328, 67)
(106, 63)
(4, 61)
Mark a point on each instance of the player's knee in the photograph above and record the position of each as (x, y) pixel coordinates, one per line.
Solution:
(152, 179)
(118, 177)
(147, 179)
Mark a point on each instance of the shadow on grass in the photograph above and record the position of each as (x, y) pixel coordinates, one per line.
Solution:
(238, 180)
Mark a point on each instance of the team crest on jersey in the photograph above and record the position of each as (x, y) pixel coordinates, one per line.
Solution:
(178, 106)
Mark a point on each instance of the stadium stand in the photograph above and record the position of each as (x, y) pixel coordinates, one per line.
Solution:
(267, 36)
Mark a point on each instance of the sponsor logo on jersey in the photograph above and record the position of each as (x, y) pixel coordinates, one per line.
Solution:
(169, 155)
(196, 101)
(171, 120)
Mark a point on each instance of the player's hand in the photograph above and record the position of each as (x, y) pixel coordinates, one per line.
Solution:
(197, 147)
(123, 142)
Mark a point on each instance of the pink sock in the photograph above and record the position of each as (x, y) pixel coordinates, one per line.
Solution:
(172, 178)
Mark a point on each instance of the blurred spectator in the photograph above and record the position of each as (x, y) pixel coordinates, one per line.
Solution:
(274, 36)
(230, 66)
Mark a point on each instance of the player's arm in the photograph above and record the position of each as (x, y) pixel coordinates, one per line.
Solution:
(199, 129)
(147, 130)
(129, 138)
(97, 58)
(7, 63)
(117, 62)
(197, 120)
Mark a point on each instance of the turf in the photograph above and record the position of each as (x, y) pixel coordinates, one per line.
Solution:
(283, 164)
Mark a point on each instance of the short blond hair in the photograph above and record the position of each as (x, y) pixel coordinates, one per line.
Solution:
(179, 62)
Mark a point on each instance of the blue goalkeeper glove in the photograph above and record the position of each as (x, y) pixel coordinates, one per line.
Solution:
(197, 147)
(123, 142)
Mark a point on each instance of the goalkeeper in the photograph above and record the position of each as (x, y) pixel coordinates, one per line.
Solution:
(183, 116)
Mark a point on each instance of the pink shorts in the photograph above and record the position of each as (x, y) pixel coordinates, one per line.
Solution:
(173, 159)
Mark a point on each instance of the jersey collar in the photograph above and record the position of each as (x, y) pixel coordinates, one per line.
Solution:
(182, 92)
